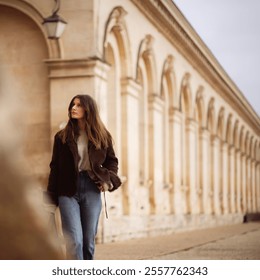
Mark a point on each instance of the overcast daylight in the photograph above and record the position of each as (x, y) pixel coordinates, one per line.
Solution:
(230, 29)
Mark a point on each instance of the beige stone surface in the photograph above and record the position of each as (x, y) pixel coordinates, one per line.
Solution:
(230, 242)
(186, 138)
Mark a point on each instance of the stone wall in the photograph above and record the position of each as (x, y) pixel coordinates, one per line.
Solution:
(186, 138)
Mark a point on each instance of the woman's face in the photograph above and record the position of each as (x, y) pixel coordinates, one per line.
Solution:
(77, 111)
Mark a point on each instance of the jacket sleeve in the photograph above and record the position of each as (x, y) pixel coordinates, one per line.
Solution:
(52, 192)
(111, 163)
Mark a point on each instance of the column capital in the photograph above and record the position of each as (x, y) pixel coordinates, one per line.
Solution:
(204, 133)
(191, 121)
(191, 124)
(243, 154)
(155, 102)
(175, 115)
(224, 145)
(232, 147)
(214, 139)
(130, 87)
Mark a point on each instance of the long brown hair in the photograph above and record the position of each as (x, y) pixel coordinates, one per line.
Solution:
(95, 129)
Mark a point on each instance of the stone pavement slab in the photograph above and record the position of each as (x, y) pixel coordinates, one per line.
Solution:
(160, 247)
(245, 246)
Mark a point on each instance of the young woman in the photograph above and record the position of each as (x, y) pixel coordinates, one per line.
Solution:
(83, 165)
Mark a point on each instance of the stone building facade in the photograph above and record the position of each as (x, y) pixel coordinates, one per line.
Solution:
(186, 138)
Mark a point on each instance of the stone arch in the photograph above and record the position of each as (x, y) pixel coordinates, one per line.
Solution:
(211, 126)
(200, 118)
(186, 96)
(143, 121)
(231, 170)
(238, 166)
(200, 114)
(236, 134)
(55, 49)
(187, 137)
(211, 117)
(221, 124)
(254, 193)
(116, 52)
(116, 27)
(251, 147)
(243, 172)
(247, 143)
(113, 86)
(255, 150)
(229, 135)
(248, 173)
(222, 160)
(146, 54)
(168, 81)
(258, 152)
(242, 139)
(150, 100)
(146, 78)
(24, 79)
(168, 96)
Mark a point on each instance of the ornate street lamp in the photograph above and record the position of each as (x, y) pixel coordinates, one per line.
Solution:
(54, 24)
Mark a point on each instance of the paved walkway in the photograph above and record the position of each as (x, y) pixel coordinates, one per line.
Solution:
(241, 241)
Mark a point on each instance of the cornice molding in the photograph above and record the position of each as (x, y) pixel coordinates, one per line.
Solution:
(170, 21)
(71, 68)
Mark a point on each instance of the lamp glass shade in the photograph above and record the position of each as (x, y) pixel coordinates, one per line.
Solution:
(54, 27)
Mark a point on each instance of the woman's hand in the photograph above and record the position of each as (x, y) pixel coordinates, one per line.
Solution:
(105, 187)
(101, 188)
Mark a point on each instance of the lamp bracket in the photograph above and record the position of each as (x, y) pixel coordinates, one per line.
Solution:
(56, 7)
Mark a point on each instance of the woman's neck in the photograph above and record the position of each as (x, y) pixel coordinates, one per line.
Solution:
(81, 124)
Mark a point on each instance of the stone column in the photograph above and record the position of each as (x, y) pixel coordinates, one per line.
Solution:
(215, 173)
(224, 189)
(183, 162)
(158, 198)
(238, 181)
(130, 144)
(253, 188)
(191, 161)
(248, 184)
(243, 183)
(231, 171)
(176, 159)
(257, 182)
(99, 85)
(204, 137)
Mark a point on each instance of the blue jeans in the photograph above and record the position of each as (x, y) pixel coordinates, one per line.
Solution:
(79, 216)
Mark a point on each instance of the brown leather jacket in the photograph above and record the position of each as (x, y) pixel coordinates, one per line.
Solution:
(64, 168)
